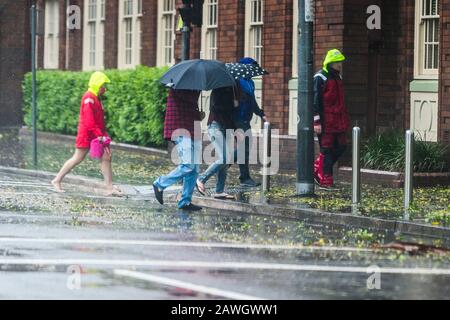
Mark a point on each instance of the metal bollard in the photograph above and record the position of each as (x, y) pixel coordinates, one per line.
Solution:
(33, 14)
(356, 166)
(266, 154)
(409, 168)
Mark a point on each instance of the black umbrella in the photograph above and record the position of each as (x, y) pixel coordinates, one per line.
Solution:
(198, 74)
(245, 71)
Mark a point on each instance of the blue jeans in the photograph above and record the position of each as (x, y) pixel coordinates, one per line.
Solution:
(189, 152)
(220, 167)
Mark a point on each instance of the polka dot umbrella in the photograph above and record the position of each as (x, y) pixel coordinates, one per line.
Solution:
(245, 71)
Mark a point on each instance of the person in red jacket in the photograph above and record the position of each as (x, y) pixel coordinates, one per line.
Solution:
(91, 126)
(331, 119)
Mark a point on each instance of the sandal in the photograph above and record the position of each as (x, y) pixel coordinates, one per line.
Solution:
(224, 196)
(200, 187)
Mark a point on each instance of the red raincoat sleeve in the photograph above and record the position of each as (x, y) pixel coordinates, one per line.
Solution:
(89, 118)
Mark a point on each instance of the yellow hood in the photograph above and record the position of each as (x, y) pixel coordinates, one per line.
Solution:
(98, 79)
(332, 56)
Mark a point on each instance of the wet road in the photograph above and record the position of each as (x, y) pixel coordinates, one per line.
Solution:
(72, 247)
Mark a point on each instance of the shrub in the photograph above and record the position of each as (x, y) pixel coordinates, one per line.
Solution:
(134, 104)
(387, 152)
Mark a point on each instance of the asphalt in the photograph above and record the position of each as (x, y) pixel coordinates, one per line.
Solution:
(80, 245)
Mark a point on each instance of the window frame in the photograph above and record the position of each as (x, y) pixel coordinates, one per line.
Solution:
(208, 51)
(98, 22)
(162, 31)
(135, 20)
(249, 25)
(420, 72)
(51, 37)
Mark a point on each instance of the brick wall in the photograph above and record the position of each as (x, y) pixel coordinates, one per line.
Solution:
(111, 34)
(379, 64)
(230, 41)
(62, 36)
(15, 58)
(277, 59)
(75, 52)
(377, 73)
(40, 40)
(328, 28)
(71, 49)
(149, 27)
(444, 90)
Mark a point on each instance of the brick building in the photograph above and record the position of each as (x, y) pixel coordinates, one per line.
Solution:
(398, 76)
(14, 58)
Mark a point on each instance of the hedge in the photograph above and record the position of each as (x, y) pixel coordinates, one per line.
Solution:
(134, 103)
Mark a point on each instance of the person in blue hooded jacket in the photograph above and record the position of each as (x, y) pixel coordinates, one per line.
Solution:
(242, 118)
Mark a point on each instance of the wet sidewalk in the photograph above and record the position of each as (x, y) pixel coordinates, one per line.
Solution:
(135, 169)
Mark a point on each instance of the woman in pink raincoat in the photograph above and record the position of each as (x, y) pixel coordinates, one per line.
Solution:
(91, 126)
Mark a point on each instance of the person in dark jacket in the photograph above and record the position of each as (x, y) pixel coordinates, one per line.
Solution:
(220, 120)
(248, 106)
(179, 126)
(331, 119)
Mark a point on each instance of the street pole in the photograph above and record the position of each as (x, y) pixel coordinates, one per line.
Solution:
(186, 34)
(33, 70)
(305, 132)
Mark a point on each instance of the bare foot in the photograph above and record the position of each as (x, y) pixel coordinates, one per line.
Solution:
(114, 192)
(57, 186)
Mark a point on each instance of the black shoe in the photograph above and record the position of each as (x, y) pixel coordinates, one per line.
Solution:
(250, 183)
(191, 207)
(158, 194)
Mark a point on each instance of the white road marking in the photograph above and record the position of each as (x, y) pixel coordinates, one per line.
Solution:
(23, 182)
(178, 244)
(9, 194)
(31, 186)
(219, 265)
(185, 285)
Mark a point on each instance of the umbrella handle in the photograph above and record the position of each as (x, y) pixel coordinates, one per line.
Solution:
(236, 98)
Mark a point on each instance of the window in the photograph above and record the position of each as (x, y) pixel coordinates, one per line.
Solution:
(130, 33)
(166, 32)
(427, 38)
(94, 35)
(209, 43)
(51, 42)
(254, 27)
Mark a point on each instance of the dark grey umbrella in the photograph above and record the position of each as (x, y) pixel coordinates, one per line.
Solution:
(198, 74)
(245, 71)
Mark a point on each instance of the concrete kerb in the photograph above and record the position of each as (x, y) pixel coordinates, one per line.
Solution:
(115, 145)
(312, 216)
(71, 179)
(410, 230)
(85, 184)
